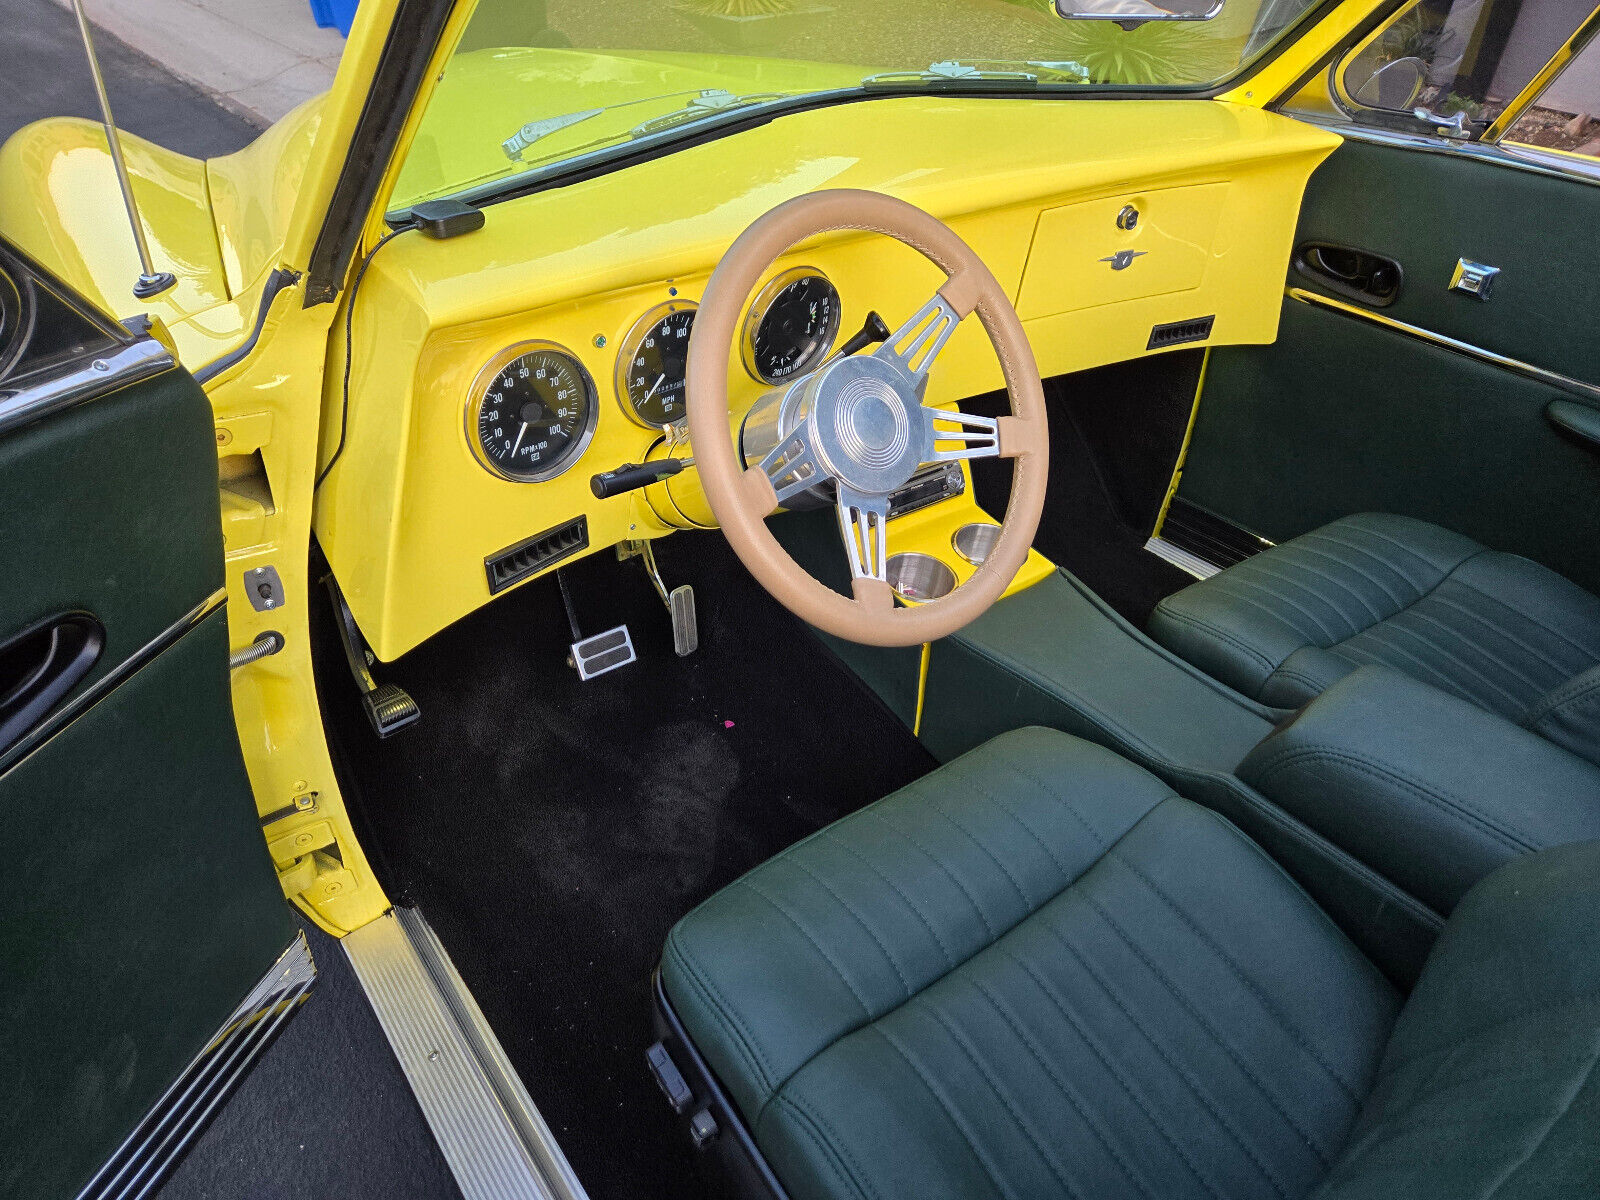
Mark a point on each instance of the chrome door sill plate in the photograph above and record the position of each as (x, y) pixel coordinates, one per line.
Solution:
(1191, 564)
(142, 1162)
(493, 1138)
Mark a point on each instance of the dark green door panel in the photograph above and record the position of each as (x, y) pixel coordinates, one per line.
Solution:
(111, 507)
(1341, 416)
(136, 911)
(1425, 210)
(138, 904)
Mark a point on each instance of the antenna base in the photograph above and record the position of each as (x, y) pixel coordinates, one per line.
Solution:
(153, 285)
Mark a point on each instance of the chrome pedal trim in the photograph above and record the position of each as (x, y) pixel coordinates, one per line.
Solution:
(1190, 564)
(142, 1162)
(493, 1138)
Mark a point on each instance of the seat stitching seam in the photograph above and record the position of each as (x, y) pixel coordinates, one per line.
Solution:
(915, 908)
(1569, 695)
(1116, 1072)
(1509, 835)
(816, 945)
(964, 890)
(1055, 1077)
(1383, 637)
(1586, 651)
(1238, 972)
(1283, 572)
(934, 807)
(1363, 531)
(1236, 581)
(1393, 568)
(859, 920)
(1498, 659)
(1066, 802)
(1210, 1030)
(1501, 630)
(1311, 681)
(993, 1082)
(961, 1126)
(832, 1145)
(1365, 573)
(1393, 629)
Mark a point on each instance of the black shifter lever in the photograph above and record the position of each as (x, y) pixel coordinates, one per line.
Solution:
(873, 331)
(629, 476)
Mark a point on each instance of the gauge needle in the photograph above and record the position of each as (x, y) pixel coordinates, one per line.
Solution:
(660, 379)
(517, 445)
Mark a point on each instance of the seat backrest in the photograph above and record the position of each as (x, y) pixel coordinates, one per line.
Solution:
(1489, 1085)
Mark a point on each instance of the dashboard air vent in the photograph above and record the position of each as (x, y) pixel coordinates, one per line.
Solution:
(535, 554)
(1178, 332)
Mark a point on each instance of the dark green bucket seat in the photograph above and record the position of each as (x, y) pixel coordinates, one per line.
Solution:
(1038, 972)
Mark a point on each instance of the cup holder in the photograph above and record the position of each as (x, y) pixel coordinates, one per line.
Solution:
(974, 541)
(919, 577)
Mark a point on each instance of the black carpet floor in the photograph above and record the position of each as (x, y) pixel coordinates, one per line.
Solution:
(552, 831)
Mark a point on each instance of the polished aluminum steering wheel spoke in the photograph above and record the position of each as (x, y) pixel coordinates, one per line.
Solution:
(972, 437)
(915, 345)
(793, 466)
(864, 525)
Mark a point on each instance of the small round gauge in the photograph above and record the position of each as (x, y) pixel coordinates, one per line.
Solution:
(791, 325)
(652, 363)
(531, 413)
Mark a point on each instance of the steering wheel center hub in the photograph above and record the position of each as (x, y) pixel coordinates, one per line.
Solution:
(865, 426)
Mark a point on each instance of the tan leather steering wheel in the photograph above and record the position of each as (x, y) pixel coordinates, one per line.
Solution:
(859, 421)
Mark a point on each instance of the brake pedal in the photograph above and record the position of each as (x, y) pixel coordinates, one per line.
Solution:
(679, 601)
(389, 707)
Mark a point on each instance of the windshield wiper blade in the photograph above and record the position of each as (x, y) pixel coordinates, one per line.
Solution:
(953, 73)
(534, 130)
(709, 103)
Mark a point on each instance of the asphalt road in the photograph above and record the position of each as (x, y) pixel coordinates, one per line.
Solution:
(45, 74)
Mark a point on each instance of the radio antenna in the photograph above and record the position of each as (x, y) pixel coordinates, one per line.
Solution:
(151, 282)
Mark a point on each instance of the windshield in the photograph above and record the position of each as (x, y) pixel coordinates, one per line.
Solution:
(535, 86)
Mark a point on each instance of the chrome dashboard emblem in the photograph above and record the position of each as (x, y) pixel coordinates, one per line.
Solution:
(1123, 259)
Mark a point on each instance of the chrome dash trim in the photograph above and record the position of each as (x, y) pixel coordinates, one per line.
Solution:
(114, 369)
(493, 1138)
(1577, 387)
(141, 1163)
(95, 692)
(1189, 564)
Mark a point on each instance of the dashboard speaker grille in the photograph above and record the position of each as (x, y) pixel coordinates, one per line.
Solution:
(534, 554)
(1177, 332)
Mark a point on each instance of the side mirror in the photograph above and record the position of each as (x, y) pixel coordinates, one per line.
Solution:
(1394, 85)
(1130, 14)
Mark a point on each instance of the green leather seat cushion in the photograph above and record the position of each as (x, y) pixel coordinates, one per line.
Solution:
(1036, 972)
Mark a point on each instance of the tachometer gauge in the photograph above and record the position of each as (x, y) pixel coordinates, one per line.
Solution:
(791, 326)
(531, 413)
(651, 365)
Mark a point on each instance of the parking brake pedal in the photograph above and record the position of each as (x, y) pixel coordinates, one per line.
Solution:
(389, 708)
(679, 601)
(591, 656)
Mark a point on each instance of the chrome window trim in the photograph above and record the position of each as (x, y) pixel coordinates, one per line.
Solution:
(1512, 155)
(1585, 391)
(142, 1162)
(116, 368)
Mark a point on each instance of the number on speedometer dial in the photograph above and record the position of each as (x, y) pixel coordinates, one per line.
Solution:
(652, 363)
(532, 412)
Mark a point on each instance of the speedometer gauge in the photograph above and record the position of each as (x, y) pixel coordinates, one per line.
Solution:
(791, 325)
(531, 413)
(652, 363)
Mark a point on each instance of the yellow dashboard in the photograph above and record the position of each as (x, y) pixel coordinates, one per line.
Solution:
(1106, 221)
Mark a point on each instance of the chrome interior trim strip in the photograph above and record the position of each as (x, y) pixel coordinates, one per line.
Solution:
(141, 1163)
(493, 1138)
(1190, 564)
(92, 695)
(1513, 155)
(1577, 387)
(114, 369)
